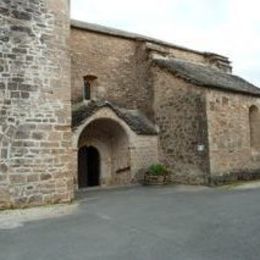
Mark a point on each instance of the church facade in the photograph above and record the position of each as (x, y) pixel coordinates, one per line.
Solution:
(84, 105)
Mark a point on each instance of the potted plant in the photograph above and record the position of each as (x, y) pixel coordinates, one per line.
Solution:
(156, 174)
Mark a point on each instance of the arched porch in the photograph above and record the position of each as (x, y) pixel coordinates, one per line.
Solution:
(112, 143)
(125, 150)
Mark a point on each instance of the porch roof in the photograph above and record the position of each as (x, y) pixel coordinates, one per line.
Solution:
(137, 121)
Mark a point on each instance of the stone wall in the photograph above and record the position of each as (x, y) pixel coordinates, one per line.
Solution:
(191, 56)
(113, 60)
(121, 65)
(144, 153)
(180, 113)
(231, 155)
(35, 132)
(96, 55)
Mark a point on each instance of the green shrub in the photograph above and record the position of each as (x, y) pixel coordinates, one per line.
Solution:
(157, 169)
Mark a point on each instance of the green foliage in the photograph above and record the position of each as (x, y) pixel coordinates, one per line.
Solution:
(157, 169)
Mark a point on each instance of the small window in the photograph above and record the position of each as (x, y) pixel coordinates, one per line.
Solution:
(86, 90)
(254, 124)
(88, 84)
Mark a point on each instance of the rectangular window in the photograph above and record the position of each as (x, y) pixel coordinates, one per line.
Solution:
(86, 91)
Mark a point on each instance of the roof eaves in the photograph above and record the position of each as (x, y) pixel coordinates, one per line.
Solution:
(191, 80)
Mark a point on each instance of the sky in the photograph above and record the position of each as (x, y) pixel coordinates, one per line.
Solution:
(228, 27)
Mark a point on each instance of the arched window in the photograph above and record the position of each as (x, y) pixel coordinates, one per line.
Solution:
(254, 124)
(88, 84)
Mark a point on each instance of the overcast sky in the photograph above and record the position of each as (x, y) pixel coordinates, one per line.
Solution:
(228, 27)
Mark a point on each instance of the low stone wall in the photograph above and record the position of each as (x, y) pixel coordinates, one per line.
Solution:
(144, 152)
(241, 175)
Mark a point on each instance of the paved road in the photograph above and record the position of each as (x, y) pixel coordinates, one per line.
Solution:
(145, 223)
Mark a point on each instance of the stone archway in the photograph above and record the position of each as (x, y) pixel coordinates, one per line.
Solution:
(126, 140)
(111, 142)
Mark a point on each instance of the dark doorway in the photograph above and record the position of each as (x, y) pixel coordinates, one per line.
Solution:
(88, 167)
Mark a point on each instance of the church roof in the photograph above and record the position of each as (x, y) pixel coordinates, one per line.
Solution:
(137, 121)
(129, 35)
(206, 76)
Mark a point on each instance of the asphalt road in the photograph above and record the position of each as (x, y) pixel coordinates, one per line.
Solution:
(145, 223)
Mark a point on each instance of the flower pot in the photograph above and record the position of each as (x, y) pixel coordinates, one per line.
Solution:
(150, 179)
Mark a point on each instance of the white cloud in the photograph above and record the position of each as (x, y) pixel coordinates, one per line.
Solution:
(229, 27)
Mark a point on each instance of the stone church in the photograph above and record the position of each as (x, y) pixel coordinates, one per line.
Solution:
(82, 105)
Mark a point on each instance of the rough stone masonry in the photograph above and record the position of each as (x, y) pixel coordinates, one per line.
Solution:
(35, 133)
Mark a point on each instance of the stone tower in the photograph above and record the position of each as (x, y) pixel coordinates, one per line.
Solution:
(35, 110)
